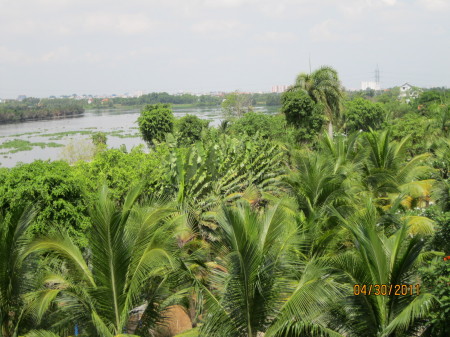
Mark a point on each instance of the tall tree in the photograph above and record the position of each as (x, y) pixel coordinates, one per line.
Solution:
(323, 86)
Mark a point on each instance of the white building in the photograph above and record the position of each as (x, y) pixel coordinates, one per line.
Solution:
(370, 85)
(279, 88)
(408, 92)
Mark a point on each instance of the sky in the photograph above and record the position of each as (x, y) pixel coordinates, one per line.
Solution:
(55, 47)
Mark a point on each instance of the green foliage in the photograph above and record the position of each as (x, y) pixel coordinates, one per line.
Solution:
(190, 129)
(17, 145)
(55, 189)
(267, 126)
(249, 293)
(323, 86)
(14, 281)
(428, 97)
(34, 108)
(414, 126)
(99, 138)
(301, 112)
(436, 280)
(129, 246)
(248, 231)
(273, 100)
(120, 170)
(361, 114)
(441, 237)
(155, 122)
(236, 104)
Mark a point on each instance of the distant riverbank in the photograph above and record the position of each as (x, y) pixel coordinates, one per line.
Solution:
(13, 113)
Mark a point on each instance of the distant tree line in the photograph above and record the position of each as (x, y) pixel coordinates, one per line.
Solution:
(35, 108)
(269, 99)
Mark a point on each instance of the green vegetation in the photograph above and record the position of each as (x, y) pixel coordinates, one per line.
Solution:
(17, 145)
(33, 108)
(155, 122)
(269, 225)
(190, 129)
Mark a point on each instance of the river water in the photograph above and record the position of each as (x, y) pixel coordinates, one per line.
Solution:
(119, 124)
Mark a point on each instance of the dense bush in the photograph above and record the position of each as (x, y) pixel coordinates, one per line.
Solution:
(54, 188)
(252, 123)
(190, 129)
(362, 114)
(155, 121)
(303, 113)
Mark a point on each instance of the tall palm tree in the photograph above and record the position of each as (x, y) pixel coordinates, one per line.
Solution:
(129, 246)
(381, 259)
(323, 86)
(258, 286)
(14, 282)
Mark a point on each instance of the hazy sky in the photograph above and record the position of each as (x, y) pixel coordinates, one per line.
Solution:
(53, 47)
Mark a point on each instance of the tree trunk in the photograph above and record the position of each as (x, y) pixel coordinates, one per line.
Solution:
(330, 129)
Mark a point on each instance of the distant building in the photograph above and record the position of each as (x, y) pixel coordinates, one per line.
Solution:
(408, 92)
(370, 85)
(279, 88)
(21, 97)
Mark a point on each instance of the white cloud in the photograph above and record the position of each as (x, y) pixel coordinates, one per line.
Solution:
(223, 28)
(277, 36)
(435, 5)
(334, 31)
(8, 55)
(119, 23)
(57, 54)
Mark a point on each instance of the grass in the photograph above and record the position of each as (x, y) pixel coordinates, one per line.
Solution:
(18, 145)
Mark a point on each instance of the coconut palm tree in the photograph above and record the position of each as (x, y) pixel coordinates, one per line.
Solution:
(315, 185)
(388, 172)
(323, 86)
(129, 246)
(378, 259)
(258, 285)
(14, 281)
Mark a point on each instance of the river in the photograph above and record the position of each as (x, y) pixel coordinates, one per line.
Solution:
(47, 139)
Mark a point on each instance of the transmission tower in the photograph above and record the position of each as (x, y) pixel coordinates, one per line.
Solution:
(377, 77)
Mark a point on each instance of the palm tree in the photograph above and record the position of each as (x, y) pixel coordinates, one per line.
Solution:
(388, 171)
(258, 286)
(323, 86)
(315, 184)
(14, 281)
(129, 246)
(381, 259)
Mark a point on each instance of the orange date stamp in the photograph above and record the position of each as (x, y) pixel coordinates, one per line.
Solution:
(386, 289)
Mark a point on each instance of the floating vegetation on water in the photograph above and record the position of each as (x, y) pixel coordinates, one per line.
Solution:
(114, 133)
(25, 134)
(17, 145)
(60, 135)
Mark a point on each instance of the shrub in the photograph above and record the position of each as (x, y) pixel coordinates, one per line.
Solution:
(302, 113)
(251, 123)
(190, 129)
(155, 121)
(361, 114)
(99, 138)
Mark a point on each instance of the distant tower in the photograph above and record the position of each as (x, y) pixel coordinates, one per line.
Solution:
(377, 77)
